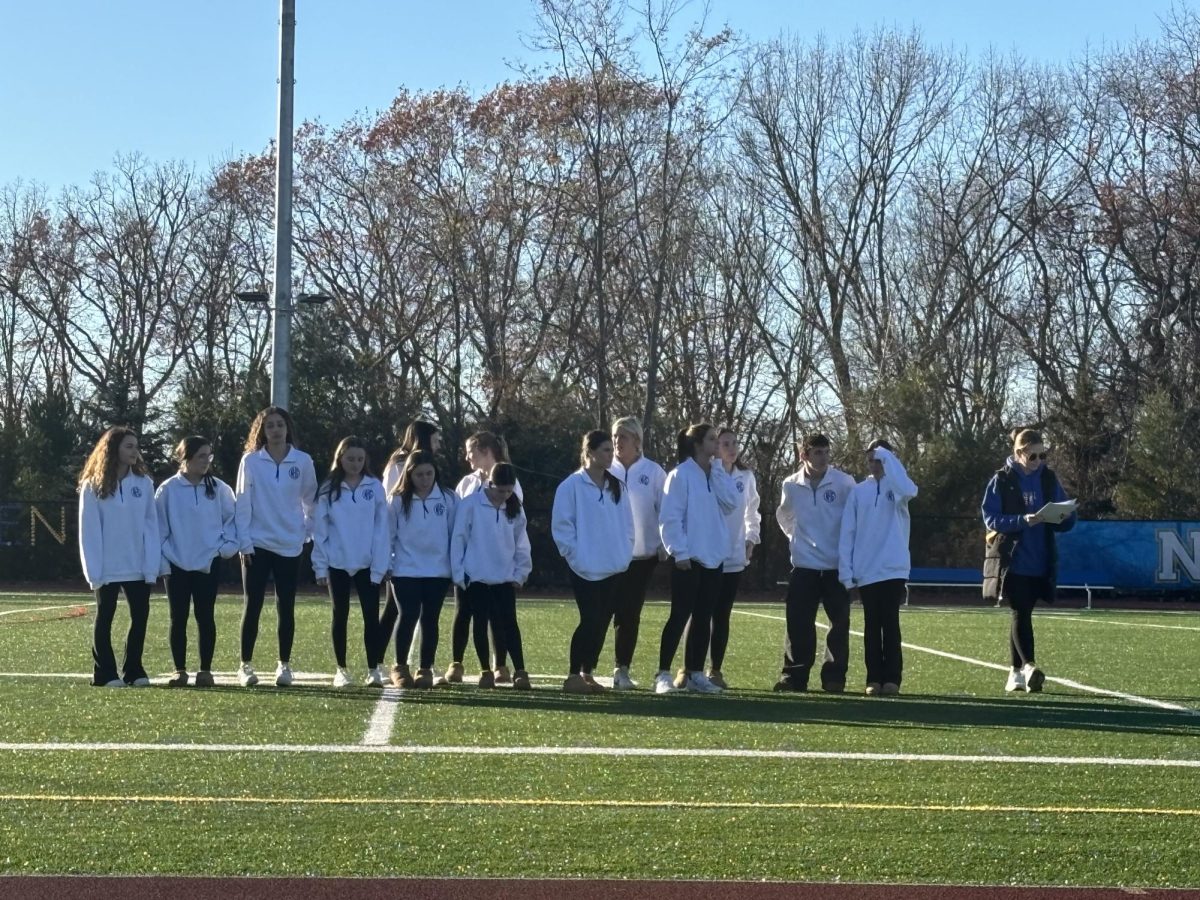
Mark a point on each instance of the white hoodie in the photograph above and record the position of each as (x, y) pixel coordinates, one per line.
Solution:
(643, 481)
(475, 481)
(195, 528)
(421, 539)
(487, 546)
(275, 501)
(810, 514)
(743, 520)
(350, 531)
(593, 531)
(692, 518)
(118, 536)
(874, 542)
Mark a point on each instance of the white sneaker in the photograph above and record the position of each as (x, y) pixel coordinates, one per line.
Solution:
(116, 682)
(698, 682)
(621, 679)
(664, 683)
(1016, 681)
(374, 678)
(341, 678)
(141, 682)
(1034, 678)
(283, 674)
(246, 676)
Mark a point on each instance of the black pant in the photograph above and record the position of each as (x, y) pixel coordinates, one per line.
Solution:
(340, 582)
(104, 662)
(420, 600)
(628, 601)
(495, 606)
(694, 594)
(1022, 593)
(808, 590)
(881, 631)
(460, 631)
(595, 602)
(285, 570)
(387, 620)
(185, 589)
(720, 618)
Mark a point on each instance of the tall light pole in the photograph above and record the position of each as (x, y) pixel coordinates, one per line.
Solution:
(281, 308)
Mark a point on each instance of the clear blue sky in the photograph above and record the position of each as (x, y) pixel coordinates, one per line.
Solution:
(84, 80)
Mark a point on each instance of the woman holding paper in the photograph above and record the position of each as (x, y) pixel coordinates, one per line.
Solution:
(1021, 560)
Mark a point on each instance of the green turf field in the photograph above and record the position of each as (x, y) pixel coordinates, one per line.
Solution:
(954, 781)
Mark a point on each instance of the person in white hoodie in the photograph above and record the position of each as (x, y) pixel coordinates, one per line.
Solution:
(352, 547)
(276, 488)
(696, 497)
(419, 435)
(873, 557)
(744, 524)
(489, 560)
(642, 480)
(119, 549)
(198, 529)
(421, 513)
(810, 512)
(592, 525)
(483, 450)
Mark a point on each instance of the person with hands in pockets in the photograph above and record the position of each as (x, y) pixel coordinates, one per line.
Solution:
(592, 525)
(198, 528)
(489, 559)
(810, 512)
(696, 498)
(120, 550)
(352, 547)
(276, 490)
(873, 557)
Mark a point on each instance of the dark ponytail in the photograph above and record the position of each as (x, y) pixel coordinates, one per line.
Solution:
(685, 444)
(505, 475)
(591, 442)
(189, 447)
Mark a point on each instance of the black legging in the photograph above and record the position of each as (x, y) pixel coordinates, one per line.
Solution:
(340, 582)
(421, 601)
(104, 662)
(595, 602)
(693, 596)
(881, 630)
(185, 589)
(255, 571)
(628, 601)
(1022, 593)
(387, 620)
(495, 605)
(722, 612)
(460, 631)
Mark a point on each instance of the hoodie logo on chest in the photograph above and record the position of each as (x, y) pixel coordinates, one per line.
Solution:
(830, 496)
(369, 494)
(294, 473)
(439, 509)
(891, 496)
(644, 479)
(136, 491)
(741, 487)
(1030, 500)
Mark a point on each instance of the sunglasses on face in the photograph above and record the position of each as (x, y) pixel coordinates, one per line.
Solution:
(1041, 456)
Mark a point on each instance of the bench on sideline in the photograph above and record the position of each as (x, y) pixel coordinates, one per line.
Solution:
(1069, 580)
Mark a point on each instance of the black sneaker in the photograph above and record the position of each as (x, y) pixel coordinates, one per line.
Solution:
(180, 679)
(833, 687)
(786, 684)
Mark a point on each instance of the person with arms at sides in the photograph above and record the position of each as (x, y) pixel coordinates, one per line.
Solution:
(419, 435)
(276, 489)
(1021, 559)
(422, 519)
(810, 514)
(120, 550)
(483, 451)
(198, 529)
(352, 548)
(642, 481)
(873, 557)
(489, 560)
(743, 523)
(592, 525)
(697, 496)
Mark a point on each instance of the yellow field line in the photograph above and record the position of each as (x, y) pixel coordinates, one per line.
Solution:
(602, 804)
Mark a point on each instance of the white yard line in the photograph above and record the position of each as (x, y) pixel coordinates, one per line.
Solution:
(1065, 682)
(33, 609)
(645, 752)
(383, 719)
(1042, 617)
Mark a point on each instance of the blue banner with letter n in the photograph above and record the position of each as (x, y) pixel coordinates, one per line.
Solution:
(1155, 555)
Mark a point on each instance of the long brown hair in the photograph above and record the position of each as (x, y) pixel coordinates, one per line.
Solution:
(337, 474)
(404, 487)
(505, 475)
(591, 442)
(256, 439)
(417, 436)
(737, 461)
(100, 471)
